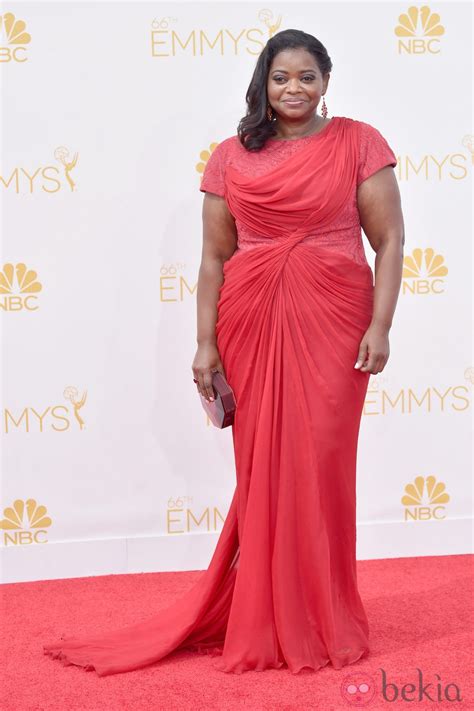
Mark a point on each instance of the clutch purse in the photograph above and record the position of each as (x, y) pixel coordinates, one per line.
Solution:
(222, 410)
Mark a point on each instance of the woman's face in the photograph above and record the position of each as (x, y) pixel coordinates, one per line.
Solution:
(295, 77)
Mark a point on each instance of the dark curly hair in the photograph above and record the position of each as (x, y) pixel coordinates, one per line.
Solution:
(255, 127)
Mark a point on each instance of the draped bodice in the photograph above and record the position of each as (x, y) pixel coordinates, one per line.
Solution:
(316, 153)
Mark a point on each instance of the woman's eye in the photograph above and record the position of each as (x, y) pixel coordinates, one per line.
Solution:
(309, 78)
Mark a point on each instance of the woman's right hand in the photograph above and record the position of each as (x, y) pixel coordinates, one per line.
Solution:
(206, 360)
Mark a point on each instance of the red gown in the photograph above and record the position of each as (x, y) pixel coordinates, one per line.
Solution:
(297, 297)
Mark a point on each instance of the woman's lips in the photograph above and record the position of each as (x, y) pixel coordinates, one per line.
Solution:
(294, 103)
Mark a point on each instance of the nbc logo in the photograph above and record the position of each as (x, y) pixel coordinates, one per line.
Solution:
(423, 272)
(419, 30)
(25, 522)
(13, 39)
(424, 499)
(18, 286)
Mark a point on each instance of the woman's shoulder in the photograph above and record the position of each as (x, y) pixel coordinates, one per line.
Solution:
(227, 144)
(375, 151)
(223, 150)
(367, 131)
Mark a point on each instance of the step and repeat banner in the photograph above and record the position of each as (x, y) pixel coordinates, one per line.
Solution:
(110, 111)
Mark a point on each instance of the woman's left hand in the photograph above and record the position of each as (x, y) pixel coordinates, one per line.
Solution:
(374, 350)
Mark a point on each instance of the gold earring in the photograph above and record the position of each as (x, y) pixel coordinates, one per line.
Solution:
(324, 109)
(269, 112)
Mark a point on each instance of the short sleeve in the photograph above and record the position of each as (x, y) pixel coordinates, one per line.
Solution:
(374, 152)
(213, 177)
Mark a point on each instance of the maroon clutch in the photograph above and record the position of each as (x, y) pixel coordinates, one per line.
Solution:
(221, 411)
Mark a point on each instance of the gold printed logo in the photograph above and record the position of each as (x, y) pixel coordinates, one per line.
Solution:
(26, 523)
(54, 417)
(45, 178)
(468, 142)
(174, 286)
(469, 374)
(419, 30)
(382, 399)
(424, 499)
(62, 155)
(12, 32)
(424, 272)
(181, 518)
(71, 393)
(266, 16)
(204, 156)
(167, 41)
(18, 284)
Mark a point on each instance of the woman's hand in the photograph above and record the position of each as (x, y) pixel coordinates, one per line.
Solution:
(374, 350)
(206, 360)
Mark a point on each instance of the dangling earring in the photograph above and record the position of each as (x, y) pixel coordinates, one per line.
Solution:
(324, 109)
(269, 112)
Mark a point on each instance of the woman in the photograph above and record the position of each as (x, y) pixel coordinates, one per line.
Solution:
(288, 312)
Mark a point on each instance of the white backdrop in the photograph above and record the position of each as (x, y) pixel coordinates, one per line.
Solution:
(109, 111)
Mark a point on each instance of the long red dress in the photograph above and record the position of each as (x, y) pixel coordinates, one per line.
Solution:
(297, 297)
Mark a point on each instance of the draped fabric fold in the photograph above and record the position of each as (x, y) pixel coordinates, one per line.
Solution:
(281, 587)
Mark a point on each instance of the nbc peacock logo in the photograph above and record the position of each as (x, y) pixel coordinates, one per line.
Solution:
(24, 523)
(419, 31)
(169, 40)
(13, 39)
(424, 272)
(425, 499)
(19, 287)
(204, 157)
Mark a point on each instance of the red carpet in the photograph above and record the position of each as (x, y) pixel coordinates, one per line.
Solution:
(419, 609)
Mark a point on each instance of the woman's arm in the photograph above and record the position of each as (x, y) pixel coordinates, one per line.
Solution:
(381, 218)
(219, 243)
